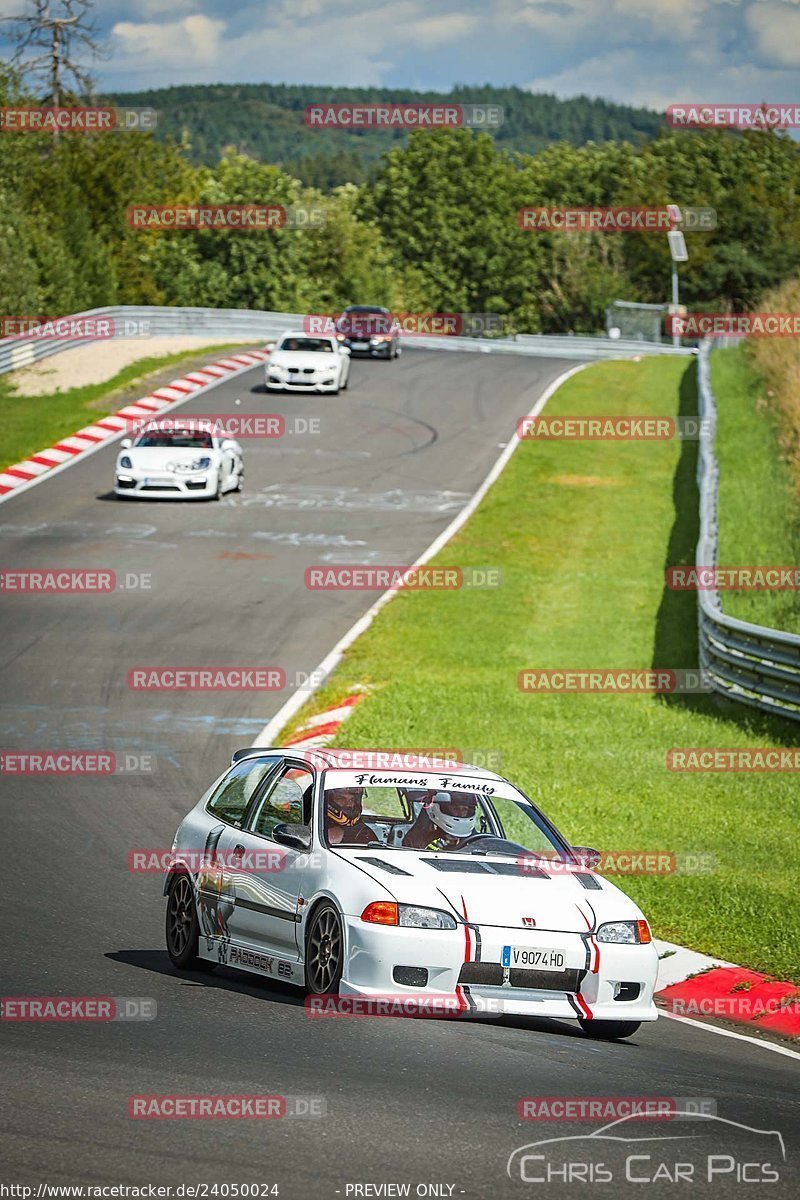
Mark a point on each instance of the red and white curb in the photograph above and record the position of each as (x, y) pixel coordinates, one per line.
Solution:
(31, 470)
(695, 986)
(321, 729)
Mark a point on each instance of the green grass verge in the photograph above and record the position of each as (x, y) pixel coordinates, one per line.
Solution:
(583, 533)
(31, 423)
(759, 514)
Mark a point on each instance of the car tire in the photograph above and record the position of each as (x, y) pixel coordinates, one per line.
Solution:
(239, 481)
(183, 927)
(324, 956)
(218, 493)
(608, 1031)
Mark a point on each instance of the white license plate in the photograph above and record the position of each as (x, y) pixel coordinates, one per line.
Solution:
(359, 345)
(532, 959)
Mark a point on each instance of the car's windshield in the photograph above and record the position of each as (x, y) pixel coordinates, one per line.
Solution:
(182, 439)
(364, 320)
(307, 345)
(434, 818)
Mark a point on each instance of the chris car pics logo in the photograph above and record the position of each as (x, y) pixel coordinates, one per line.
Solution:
(696, 1148)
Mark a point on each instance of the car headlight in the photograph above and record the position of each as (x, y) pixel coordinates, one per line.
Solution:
(412, 916)
(126, 462)
(202, 464)
(631, 932)
(425, 918)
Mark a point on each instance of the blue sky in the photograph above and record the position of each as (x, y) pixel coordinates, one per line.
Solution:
(651, 52)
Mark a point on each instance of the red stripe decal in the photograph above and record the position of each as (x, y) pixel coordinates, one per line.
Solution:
(20, 474)
(587, 1012)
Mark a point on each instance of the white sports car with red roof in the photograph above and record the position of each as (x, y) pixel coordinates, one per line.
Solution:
(422, 886)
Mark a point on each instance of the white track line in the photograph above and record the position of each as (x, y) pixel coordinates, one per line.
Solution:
(269, 733)
(741, 1037)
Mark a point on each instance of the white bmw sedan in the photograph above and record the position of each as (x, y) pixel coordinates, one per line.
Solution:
(300, 362)
(170, 461)
(414, 886)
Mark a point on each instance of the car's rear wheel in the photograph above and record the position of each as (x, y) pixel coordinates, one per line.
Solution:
(183, 928)
(324, 952)
(608, 1031)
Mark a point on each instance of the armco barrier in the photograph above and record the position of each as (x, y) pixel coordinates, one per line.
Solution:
(749, 663)
(242, 323)
(228, 324)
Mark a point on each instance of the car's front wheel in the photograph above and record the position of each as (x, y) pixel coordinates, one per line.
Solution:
(183, 928)
(324, 952)
(609, 1031)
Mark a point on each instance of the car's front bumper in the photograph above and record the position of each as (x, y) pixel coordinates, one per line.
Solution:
(468, 966)
(164, 485)
(370, 350)
(289, 385)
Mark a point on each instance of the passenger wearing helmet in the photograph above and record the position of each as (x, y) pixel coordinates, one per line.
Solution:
(444, 823)
(344, 822)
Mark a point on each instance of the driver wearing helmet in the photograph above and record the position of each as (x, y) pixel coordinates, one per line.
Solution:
(444, 823)
(344, 822)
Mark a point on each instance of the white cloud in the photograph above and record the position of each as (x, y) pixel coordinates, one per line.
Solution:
(438, 31)
(777, 32)
(195, 39)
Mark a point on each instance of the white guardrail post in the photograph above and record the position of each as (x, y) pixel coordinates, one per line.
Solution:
(749, 663)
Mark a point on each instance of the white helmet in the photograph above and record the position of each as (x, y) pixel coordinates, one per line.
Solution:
(455, 815)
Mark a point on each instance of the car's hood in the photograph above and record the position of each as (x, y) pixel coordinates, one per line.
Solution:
(495, 890)
(294, 358)
(159, 458)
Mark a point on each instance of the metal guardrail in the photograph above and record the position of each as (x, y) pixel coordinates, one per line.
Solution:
(130, 322)
(235, 323)
(749, 663)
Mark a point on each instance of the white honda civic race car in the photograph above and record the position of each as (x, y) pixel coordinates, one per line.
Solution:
(411, 885)
(168, 460)
(300, 362)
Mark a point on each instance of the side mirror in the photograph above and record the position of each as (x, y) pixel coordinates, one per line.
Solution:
(270, 346)
(126, 443)
(587, 857)
(298, 837)
(346, 350)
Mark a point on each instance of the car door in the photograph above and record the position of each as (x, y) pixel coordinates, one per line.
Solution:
(213, 836)
(267, 877)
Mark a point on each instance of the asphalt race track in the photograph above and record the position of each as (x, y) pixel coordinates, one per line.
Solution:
(406, 1101)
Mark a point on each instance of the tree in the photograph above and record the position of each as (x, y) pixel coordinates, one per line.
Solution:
(62, 32)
